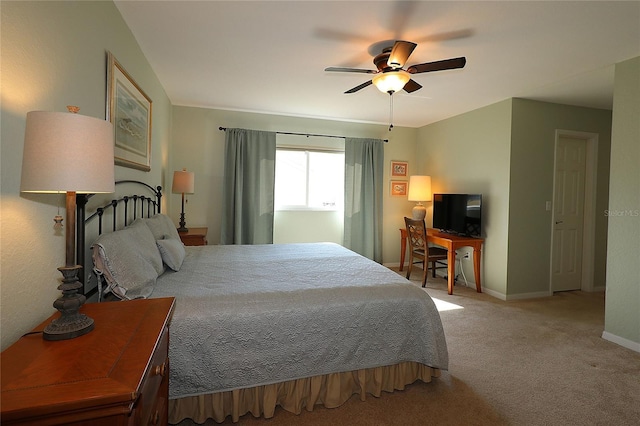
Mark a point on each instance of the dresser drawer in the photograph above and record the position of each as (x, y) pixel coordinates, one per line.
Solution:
(151, 406)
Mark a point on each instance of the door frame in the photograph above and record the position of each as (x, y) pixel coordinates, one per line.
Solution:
(590, 191)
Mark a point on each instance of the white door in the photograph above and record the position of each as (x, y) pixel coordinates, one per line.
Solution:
(568, 214)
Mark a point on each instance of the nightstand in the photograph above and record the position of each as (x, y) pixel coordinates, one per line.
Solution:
(194, 237)
(118, 374)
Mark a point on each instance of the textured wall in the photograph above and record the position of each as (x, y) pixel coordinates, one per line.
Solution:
(622, 319)
(53, 55)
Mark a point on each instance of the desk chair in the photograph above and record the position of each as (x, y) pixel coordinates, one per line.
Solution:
(418, 246)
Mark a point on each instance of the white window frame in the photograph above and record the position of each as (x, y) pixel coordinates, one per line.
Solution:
(306, 207)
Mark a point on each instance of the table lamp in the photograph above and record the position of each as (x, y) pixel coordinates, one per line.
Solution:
(71, 153)
(419, 190)
(183, 183)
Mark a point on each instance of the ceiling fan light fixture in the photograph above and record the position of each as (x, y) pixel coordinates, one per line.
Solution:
(391, 81)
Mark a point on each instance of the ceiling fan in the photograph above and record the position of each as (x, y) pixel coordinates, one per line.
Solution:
(390, 76)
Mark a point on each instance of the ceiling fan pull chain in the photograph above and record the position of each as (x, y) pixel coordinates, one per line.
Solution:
(390, 111)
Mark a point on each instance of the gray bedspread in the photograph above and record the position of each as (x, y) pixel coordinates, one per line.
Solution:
(253, 315)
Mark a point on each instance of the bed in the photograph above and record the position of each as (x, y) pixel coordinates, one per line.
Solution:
(262, 326)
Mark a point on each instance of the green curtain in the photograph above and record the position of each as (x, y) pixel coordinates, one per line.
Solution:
(364, 169)
(248, 187)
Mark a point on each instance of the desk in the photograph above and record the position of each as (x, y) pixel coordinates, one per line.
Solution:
(451, 243)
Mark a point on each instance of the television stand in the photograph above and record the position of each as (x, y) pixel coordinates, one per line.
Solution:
(452, 243)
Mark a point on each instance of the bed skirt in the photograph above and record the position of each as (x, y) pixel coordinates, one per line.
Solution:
(331, 390)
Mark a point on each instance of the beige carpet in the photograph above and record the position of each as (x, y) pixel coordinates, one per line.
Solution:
(533, 362)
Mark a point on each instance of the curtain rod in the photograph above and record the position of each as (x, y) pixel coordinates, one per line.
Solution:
(306, 134)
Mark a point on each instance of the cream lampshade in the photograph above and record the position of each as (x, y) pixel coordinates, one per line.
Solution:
(419, 190)
(68, 153)
(183, 183)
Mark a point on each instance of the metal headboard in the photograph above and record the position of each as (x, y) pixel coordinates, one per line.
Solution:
(131, 207)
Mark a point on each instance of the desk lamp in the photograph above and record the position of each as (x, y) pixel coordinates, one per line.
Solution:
(419, 190)
(70, 153)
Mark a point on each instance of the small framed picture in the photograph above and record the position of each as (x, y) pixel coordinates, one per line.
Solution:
(399, 168)
(398, 188)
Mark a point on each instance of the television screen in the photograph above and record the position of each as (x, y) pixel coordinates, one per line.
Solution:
(458, 213)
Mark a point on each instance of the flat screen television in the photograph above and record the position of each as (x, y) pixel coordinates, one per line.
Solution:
(458, 214)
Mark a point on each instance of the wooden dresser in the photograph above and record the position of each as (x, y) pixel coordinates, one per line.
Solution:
(194, 237)
(118, 374)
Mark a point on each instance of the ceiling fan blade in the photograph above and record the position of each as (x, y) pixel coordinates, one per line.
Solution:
(400, 53)
(446, 64)
(354, 61)
(445, 36)
(330, 34)
(362, 86)
(412, 86)
(400, 15)
(342, 69)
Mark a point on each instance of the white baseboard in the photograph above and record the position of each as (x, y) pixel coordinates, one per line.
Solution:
(520, 296)
(494, 293)
(535, 295)
(629, 344)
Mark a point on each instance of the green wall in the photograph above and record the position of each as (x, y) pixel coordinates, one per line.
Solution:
(470, 153)
(506, 152)
(533, 135)
(53, 55)
(622, 318)
(198, 145)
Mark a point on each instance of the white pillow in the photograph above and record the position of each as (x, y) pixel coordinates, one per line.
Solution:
(129, 259)
(162, 227)
(172, 252)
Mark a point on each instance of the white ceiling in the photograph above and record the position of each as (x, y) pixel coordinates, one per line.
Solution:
(270, 56)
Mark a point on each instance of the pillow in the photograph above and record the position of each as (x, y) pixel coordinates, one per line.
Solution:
(162, 227)
(172, 252)
(129, 259)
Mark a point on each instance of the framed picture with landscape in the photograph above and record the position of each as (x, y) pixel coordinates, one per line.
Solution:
(129, 110)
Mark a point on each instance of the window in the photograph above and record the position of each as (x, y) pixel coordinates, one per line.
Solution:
(309, 180)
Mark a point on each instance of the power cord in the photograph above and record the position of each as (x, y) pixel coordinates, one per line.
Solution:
(466, 283)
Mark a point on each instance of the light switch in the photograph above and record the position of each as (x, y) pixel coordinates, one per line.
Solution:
(547, 206)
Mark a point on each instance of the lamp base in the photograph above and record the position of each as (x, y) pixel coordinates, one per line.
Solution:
(183, 223)
(71, 323)
(68, 327)
(419, 212)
